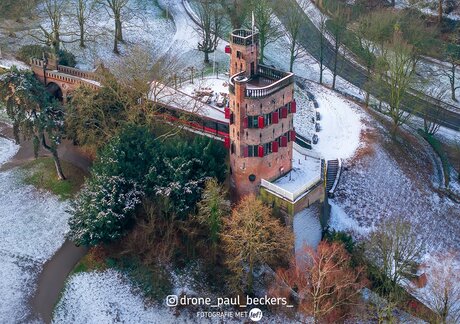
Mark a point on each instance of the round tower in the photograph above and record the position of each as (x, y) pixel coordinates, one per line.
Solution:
(260, 110)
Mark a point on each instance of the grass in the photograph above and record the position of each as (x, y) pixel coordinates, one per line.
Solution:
(41, 173)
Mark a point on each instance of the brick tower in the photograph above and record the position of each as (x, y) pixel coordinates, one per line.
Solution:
(260, 110)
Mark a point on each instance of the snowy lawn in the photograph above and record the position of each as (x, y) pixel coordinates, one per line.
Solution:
(340, 122)
(32, 228)
(109, 297)
(385, 181)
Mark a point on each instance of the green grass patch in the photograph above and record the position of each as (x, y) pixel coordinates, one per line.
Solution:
(41, 173)
(90, 262)
(437, 147)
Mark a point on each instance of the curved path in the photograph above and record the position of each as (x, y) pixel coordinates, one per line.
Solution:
(55, 271)
(353, 73)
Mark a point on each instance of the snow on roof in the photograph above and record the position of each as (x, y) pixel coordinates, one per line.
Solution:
(181, 100)
(305, 173)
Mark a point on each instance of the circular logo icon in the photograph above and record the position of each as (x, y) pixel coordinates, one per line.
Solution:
(255, 314)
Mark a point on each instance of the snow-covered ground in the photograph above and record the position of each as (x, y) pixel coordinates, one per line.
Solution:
(8, 63)
(340, 122)
(307, 228)
(384, 181)
(109, 297)
(32, 228)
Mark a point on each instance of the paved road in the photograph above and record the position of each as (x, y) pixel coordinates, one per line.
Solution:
(310, 39)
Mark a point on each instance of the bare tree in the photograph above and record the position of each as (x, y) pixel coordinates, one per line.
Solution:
(394, 250)
(293, 25)
(396, 68)
(452, 54)
(211, 24)
(322, 44)
(324, 283)
(83, 11)
(432, 121)
(116, 9)
(442, 292)
(267, 24)
(338, 28)
(52, 12)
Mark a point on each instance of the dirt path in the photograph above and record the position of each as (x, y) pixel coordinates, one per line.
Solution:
(52, 279)
(54, 274)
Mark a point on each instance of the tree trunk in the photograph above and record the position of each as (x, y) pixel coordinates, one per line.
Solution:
(262, 49)
(206, 57)
(58, 166)
(452, 83)
(54, 152)
(393, 3)
(118, 28)
(334, 76)
(82, 35)
(440, 11)
(292, 58)
(115, 45)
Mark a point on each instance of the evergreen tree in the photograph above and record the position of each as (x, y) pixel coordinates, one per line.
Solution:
(35, 114)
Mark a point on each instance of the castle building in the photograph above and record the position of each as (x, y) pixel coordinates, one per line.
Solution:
(261, 108)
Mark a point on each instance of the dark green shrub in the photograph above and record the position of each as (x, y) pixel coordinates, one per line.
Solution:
(27, 52)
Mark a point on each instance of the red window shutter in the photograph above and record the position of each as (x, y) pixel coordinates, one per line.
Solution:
(275, 117)
(261, 122)
(284, 112)
(293, 107)
(245, 122)
(228, 49)
(275, 146)
(245, 151)
(227, 112)
(283, 141)
(227, 142)
(292, 135)
(261, 151)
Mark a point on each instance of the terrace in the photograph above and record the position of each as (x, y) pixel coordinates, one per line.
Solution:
(265, 82)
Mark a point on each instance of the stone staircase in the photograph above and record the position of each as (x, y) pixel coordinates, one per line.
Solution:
(332, 175)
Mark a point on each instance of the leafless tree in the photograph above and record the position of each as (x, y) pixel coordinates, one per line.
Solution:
(396, 68)
(395, 251)
(431, 122)
(268, 26)
(452, 54)
(116, 9)
(51, 11)
(211, 25)
(338, 29)
(294, 21)
(326, 286)
(83, 11)
(322, 44)
(442, 292)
